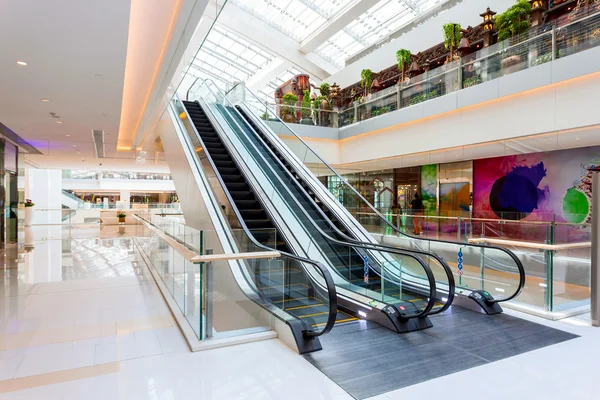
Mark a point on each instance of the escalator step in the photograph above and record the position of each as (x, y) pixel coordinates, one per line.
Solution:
(237, 186)
(245, 200)
(258, 223)
(247, 203)
(221, 157)
(229, 171)
(233, 178)
(253, 214)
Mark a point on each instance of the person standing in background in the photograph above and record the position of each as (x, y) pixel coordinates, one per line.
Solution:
(417, 209)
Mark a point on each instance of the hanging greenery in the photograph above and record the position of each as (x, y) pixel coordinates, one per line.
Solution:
(325, 89)
(451, 35)
(513, 21)
(366, 79)
(403, 57)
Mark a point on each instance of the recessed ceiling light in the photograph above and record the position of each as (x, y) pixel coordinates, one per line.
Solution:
(67, 135)
(23, 63)
(45, 100)
(74, 145)
(577, 138)
(78, 152)
(59, 122)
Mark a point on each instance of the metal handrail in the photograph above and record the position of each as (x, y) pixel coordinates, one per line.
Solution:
(394, 227)
(332, 296)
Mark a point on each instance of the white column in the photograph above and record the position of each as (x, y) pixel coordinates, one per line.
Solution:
(44, 188)
(595, 273)
(125, 198)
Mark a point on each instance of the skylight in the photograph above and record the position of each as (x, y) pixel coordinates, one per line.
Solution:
(227, 58)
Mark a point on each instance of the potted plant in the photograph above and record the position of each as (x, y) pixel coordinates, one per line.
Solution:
(366, 79)
(403, 57)
(513, 21)
(355, 97)
(28, 205)
(324, 103)
(287, 111)
(451, 38)
(306, 109)
(121, 217)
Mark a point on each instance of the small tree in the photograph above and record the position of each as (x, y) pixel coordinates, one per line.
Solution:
(451, 37)
(366, 80)
(306, 111)
(403, 57)
(513, 21)
(290, 100)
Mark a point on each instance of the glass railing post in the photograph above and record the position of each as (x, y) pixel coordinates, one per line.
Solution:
(553, 42)
(458, 230)
(482, 266)
(355, 111)
(460, 74)
(549, 260)
(208, 297)
(382, 283)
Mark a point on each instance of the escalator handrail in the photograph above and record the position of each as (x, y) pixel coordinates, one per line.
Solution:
(428, 272)
(329, 283)
(375, 246)
(392, 226)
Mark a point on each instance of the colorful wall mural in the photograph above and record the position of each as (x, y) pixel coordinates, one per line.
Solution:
(429, 187)
(536, 187)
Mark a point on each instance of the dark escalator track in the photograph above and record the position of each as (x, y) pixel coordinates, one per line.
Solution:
(288, 288)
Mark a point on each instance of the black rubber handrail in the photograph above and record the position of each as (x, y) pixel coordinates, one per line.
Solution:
(330, 285)
(392, 226)
(358, 243)
(428, 272)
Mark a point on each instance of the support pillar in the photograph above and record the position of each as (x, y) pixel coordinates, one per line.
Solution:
(595, 279)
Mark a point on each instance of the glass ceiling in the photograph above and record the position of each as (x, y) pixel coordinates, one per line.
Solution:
(299, 19)
(227, 58)
(295, 18)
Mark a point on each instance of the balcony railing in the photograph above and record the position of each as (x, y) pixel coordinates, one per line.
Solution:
(547, 43)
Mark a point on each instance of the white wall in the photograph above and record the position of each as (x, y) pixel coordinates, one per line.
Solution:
(420, 38)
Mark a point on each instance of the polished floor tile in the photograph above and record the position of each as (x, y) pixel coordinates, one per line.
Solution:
(91, 324)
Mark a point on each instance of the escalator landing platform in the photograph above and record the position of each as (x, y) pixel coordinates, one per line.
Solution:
(366, 359)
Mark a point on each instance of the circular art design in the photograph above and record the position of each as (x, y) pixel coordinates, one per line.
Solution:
(575, 206)
(513, 197)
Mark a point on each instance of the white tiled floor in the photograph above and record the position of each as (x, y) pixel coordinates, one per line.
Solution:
(121, 318)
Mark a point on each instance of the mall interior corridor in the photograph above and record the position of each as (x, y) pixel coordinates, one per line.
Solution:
(299, 199)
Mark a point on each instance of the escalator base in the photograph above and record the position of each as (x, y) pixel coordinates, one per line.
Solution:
(366, 359)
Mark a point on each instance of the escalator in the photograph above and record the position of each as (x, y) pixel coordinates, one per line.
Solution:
(351, 265)
(326, 219)
(479, 269)
(391, 306)
(299, 297)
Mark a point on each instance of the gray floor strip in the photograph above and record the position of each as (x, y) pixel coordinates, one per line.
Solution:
(366, 359)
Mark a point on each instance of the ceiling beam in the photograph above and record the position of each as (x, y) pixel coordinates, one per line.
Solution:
(249, 27)
(336, 24)
(258, 82)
